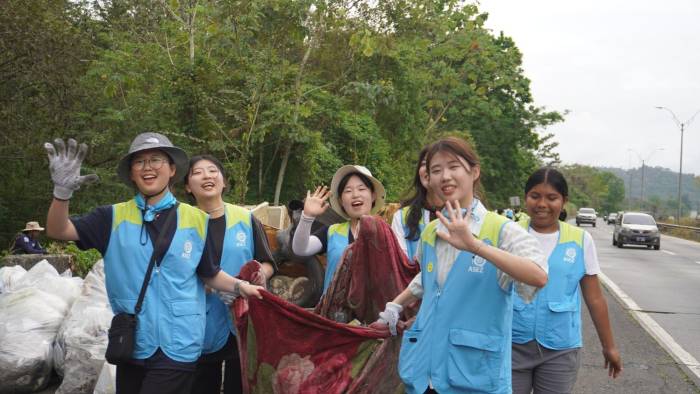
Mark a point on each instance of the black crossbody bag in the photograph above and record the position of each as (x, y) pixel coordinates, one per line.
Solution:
(122, 332)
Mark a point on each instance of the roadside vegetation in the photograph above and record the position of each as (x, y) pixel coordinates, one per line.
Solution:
(688, 234)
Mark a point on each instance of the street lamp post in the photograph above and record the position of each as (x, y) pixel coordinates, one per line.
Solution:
(644, 160)
(681, 126)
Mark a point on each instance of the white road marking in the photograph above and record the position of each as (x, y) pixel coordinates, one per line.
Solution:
(669, 252)
(653, 328)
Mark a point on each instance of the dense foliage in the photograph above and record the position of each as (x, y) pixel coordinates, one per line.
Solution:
(283, 91)
(594, 188)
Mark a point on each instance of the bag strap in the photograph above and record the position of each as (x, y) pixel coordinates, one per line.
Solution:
(156, 247)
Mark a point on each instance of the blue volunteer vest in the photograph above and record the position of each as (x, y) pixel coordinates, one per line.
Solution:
(172, 314)
(411, 245)
(553, 318)
(461, 339)
(338, 240)
(238, 249)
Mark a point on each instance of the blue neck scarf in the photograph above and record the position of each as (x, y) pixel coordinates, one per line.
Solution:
(150, 211)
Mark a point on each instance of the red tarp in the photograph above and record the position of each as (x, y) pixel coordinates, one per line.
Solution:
(287, 349)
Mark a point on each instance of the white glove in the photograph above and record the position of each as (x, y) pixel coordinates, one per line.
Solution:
(390, 316)
(65, 167)
(225, 296)
(229, 296)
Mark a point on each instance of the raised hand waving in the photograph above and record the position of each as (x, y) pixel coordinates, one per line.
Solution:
(317, 203)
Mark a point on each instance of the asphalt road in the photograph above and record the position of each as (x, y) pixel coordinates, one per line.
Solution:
(665, 286)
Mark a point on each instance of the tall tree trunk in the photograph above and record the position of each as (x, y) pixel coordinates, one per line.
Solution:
(297, 105)
(283, 169)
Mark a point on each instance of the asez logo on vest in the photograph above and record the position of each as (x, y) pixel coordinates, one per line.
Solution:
(240, 238)
(187, 249)
(570, 255)
(478, 263)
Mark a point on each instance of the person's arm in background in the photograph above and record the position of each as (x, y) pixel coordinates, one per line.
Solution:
(262, 254)
(598, 307)
(303, 243)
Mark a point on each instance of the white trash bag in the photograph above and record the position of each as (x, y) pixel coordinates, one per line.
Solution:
(45, 277)
(79, 349)
(9, 276)
(29, 320)
(107, 382)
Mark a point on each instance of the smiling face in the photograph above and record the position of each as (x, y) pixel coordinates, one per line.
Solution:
(205, 180)
(356, 197)
(452, 178)
(544, 203)
(151, 171)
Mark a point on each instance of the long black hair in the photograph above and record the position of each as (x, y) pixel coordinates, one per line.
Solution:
(416, 201)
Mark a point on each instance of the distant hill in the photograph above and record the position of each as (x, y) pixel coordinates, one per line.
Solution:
(660, 187)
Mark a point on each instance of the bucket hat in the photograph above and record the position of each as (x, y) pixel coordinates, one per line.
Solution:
(379, 190)
(146, 141)
(32, 226)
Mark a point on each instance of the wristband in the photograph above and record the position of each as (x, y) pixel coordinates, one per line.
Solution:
(237, 287)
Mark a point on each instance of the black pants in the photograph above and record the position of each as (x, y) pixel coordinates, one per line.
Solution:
(135, 379)
(208, 374)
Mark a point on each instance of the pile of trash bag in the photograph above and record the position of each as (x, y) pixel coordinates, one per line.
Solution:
(79, 348)
(9, 276)
(32, 307)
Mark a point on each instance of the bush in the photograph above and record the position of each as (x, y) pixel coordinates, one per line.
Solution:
(83, 260)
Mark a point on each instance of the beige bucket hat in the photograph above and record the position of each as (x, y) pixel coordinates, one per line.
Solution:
(379, 190)
(32, 226)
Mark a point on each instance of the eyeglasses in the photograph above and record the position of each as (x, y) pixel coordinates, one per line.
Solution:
(155, 162)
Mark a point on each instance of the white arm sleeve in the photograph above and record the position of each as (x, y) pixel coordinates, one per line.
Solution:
(590, 255)
(516, 240)
(416, 286)
(397, 228)
(303, 243)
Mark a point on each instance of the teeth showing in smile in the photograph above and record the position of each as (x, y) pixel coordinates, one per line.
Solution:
(448, 189)
(208, 185)
(357, 203)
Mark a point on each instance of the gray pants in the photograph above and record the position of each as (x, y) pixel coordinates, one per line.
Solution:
(542, 370)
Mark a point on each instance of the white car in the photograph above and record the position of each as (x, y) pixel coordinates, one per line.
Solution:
(586, 215)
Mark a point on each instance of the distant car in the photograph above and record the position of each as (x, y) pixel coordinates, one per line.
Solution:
(586, 215)
(611, 218)
(636, 228)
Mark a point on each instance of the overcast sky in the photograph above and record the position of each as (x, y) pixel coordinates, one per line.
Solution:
(610, 63)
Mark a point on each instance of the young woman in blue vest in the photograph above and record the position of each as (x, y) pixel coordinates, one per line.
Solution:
(170, 329)
(417, 211)
(354, 192)
(547, 331)
(471, 261)
(238, 238)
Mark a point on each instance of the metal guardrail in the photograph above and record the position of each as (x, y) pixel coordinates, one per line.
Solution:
(668, 225)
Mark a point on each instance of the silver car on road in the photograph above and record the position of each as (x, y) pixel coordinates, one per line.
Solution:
(636, 228)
